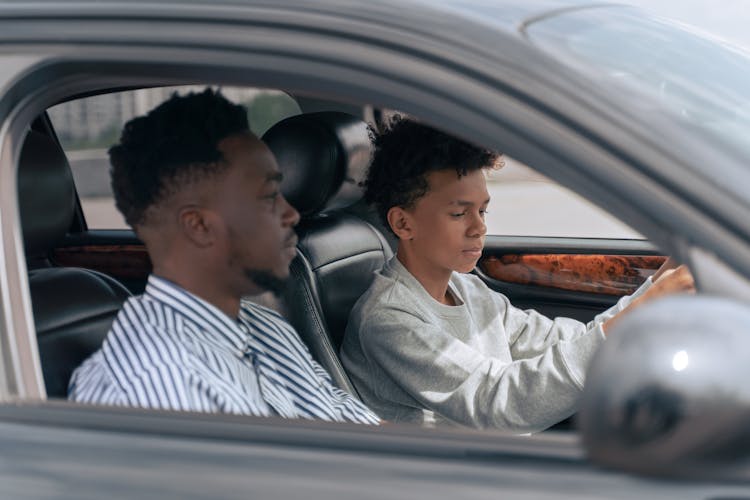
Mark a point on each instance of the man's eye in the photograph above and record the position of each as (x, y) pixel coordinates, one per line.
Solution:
(273, 197)
(461, 214)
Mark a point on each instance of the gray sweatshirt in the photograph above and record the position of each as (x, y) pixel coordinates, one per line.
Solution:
(482, 363)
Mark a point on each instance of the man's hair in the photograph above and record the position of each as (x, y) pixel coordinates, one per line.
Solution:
(405, 152)
(173, 145)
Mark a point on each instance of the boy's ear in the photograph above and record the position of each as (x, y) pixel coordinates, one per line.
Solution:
(400, 223)
(196, 224)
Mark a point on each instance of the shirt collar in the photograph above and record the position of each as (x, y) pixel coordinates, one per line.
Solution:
(206, 316)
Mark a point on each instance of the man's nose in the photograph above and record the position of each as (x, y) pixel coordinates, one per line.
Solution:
(290, 216)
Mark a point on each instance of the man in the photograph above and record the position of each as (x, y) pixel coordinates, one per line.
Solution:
(429, 344)
(202, 193)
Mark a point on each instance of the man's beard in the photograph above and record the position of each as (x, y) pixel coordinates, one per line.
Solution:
(266, 280)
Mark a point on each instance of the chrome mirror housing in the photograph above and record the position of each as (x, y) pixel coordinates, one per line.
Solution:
(669, 391)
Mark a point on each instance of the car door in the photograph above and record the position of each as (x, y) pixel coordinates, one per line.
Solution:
(502, 98)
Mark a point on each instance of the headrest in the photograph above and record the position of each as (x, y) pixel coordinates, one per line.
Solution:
(323, 156)
(46, 193)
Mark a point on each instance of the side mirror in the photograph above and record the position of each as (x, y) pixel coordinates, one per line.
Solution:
(669, 391)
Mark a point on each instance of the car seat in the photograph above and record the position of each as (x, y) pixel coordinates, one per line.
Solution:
(73, 307)
(323, 157)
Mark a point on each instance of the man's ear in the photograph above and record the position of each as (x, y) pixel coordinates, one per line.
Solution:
(400, 222)
(197, 226)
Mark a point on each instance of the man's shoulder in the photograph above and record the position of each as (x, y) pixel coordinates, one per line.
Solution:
(384, 291)
(143, 312)
(146, 332)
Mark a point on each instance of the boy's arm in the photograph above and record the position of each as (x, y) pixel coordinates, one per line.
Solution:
(622, 303)
(530, 333)
(463, 385)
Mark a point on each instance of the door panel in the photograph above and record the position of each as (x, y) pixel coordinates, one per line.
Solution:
(601, 274)
(573, 277)
(117, 253)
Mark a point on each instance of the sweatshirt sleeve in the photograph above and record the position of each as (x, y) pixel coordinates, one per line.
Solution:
(621, 304)
(531, 333)
(464, 385)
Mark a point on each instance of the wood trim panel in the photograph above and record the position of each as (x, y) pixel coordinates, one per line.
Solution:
(602, 274)
(118, 261)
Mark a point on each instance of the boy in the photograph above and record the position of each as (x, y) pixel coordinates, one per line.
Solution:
(427, 343)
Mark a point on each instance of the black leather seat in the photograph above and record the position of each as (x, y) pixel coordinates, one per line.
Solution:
(73, 308)
(324, 156)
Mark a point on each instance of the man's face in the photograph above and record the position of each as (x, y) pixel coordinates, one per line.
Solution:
(447, 223)
(259, 240)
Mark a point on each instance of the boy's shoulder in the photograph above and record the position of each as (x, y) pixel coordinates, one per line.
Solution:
(388, 293)
(385, 289)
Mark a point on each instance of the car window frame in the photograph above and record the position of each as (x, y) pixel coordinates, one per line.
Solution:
(527, 125)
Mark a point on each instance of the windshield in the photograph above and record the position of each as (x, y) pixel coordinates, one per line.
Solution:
(702, 81)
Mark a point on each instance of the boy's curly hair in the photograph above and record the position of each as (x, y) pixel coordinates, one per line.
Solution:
(174, 144)
(405, 152)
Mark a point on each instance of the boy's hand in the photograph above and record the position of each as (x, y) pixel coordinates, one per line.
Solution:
(671, 281)
(667, 281)
(668, 264)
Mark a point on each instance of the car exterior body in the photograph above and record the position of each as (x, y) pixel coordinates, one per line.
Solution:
(480, 70)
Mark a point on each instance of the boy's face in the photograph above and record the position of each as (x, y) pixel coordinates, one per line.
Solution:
(446, 227)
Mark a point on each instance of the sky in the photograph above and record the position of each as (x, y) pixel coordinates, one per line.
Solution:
(728, 19)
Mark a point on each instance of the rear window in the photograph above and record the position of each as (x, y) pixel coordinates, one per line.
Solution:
(88, 127)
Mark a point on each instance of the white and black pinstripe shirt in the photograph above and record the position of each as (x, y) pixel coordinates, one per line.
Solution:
(169, 349)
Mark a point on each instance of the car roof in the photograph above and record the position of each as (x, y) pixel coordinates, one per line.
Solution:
(505, 15)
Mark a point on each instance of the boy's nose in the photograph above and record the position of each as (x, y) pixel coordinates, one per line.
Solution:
(478, 228)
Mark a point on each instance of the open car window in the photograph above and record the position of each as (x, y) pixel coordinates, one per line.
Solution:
(526, 203)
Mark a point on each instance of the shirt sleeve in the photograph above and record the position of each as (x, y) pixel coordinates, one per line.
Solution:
(142, 374)
(91, 383)
(464, 385)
